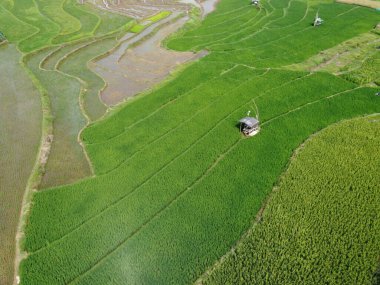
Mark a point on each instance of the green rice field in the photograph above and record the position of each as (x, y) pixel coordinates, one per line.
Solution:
(321, 225)
(157, 189)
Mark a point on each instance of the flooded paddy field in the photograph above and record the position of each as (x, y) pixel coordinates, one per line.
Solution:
(129, 71)
(69, 72)
(76, 64)
(20, 129)
(139, 186)
(140, 61)
(66, 160)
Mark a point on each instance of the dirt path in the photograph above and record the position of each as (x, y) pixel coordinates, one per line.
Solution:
(366, 3)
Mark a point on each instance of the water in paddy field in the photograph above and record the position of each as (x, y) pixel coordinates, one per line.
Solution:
(20, 133)
(67, 162)
(131, 71)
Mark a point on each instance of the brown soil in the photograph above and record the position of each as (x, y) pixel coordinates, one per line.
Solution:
(366, 3)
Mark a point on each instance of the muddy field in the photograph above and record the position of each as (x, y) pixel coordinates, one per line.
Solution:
(129, 71)
(20, 129)
(140, 62)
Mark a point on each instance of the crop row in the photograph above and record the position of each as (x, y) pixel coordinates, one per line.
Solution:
(177, 244)
(40, 23)
(129, 210)
(320, 225)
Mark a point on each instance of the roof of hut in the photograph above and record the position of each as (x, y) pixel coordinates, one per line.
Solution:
(249, 121)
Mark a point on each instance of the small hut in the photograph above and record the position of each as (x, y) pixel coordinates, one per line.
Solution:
(318, 20)
(249, 126)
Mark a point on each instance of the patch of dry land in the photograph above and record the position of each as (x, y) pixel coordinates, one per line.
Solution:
(366, 3)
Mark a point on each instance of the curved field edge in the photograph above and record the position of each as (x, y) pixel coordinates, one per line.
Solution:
(339, 106)
(20, 116)
(39, 166)
(321, 223)
(18, 32)
(367, 92)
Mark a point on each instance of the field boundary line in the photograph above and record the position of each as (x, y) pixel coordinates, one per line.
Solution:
(262, 28)
(48, 56)
(221, 23)
(186, 121)
(215, 42)
(80, 106)
(165, 166)
(295, 23)
(163, 209)
(258, 217)
(310, 103)
(160, 169)
(178, 126)
(157, 110)
(21, 21)
(36, 174)
(271, 41)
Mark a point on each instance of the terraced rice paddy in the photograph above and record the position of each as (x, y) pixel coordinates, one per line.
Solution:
(156, 189)
(321, 225)
(33, 28)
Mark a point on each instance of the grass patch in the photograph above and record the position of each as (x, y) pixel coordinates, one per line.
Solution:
(139, 27)
(159, 16)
